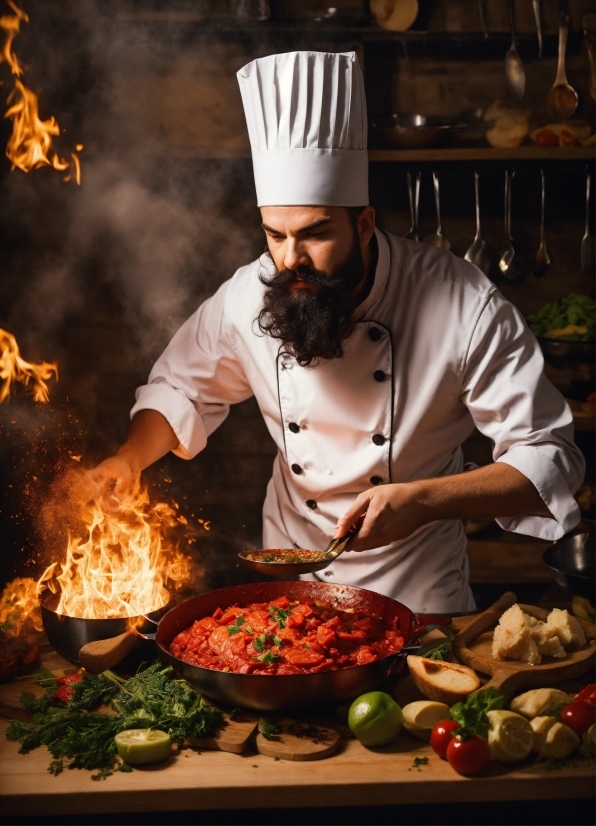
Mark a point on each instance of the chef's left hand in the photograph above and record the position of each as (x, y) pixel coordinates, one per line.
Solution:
(388, 513)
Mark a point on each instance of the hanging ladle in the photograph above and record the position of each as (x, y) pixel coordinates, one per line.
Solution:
(512, 266)
(436, 238)
(292, 561)
(414, 197)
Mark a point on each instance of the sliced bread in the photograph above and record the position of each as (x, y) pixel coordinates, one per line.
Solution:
(441, 681)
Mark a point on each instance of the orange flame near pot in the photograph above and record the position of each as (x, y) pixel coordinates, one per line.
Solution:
(29, 146)
(19, 602)
(125, 564)
(14, 369)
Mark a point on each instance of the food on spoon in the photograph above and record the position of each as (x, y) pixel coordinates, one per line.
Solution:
(510, 736)
(572, 318)
(283, 556)
(444, 682)
(553, 739)
(421, 716)
(284, 637)
(519, 636)
(138, 746)
(375, 719)
(539, 702)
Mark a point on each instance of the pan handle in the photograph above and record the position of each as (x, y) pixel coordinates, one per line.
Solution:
(422, 624)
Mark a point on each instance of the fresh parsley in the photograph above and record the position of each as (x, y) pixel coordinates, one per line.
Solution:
(235, 627)
(85, 737)
(268, 657)
(418, 763)
(279, 615)
(471, 714)
(440, 651)
(259, 642)
(269, 729)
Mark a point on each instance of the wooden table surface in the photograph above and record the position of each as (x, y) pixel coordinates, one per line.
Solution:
(353, 776)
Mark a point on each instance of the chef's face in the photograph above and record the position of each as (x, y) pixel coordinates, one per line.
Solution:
(317, 238)
(320, 256)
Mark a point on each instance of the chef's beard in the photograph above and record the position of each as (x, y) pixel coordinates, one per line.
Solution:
(312, 326)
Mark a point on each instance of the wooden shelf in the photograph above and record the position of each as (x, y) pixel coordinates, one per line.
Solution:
(445, 155)
(484, 153)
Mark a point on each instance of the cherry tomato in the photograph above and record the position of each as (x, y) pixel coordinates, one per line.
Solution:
(64, 694)
(587, 695)
(69, 679)
(441, 736)
(547, 138)
(579, 716)
(470, 756)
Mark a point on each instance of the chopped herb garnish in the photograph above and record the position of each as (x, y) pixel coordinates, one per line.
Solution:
(276, 640)
(418, 762)
(279, 615)
(268, 657)
(259, 642)
(439, 652)
(233, 629)
(248, 630)
(556, 763)
(269, 729)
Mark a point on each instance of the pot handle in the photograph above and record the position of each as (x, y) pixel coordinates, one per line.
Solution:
(422, 624)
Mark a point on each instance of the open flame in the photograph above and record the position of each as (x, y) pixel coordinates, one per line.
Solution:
(29, 146)
(125, 564)
(18, 604)
(14, 369)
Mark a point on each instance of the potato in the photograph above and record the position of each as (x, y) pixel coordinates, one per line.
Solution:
(539, 701)
(422, 716)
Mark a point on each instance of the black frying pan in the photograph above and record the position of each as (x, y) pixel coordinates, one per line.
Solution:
(572, 561)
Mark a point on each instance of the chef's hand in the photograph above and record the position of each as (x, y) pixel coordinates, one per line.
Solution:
(109, 482)
(388, 513)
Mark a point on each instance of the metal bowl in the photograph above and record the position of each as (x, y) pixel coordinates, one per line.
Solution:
(276, 693)
(572, 560)
(69, 634)
(417, 131)
(576, 351)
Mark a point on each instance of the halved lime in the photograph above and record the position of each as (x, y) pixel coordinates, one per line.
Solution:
(510, 737)
(142, 745)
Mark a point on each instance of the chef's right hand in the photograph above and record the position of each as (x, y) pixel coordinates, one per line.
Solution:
(109, 482)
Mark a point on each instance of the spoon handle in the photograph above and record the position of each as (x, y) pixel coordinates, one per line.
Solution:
(477, 191)
(416, 201)
(542, 239)
(338, 545)
(588, 184)
(507, 207)
(563, 32)
(511, 10)
(437, 201)
(538, 19)
(414, 230)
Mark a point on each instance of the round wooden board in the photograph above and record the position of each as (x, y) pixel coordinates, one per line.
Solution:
(299, 741)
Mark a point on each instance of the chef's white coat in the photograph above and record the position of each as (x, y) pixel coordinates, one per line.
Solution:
(436, 350)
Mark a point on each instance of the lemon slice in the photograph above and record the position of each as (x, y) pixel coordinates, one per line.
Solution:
(510, 737)
(142, 745)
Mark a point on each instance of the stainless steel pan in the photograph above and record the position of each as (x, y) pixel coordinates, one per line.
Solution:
(274, 693)
(572, 559)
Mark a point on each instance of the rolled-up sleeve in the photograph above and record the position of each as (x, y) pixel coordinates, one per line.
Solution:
(529, 422)
(197, 377)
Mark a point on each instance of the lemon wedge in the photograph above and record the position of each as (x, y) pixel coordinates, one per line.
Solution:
(142, 745)
(510, 736)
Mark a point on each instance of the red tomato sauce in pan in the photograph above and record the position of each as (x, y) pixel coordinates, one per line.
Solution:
(283, 637)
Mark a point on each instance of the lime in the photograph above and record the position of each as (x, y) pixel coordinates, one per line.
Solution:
(142, 745)
(375, 718)
(510, 736)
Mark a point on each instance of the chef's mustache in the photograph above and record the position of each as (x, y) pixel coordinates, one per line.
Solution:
(310, 275)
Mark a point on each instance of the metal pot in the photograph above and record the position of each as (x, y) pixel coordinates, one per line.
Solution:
(416, 131)
(274, 693)
(572, 559)
(557, 350)
(69, 634)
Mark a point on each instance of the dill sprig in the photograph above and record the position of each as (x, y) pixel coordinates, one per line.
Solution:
(152, 698)
(440, 651)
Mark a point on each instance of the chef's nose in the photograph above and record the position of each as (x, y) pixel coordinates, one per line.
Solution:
(294, 255)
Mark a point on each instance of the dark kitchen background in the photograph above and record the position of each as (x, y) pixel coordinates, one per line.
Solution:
(98, 277)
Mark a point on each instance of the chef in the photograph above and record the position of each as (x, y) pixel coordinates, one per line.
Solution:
(371, 357)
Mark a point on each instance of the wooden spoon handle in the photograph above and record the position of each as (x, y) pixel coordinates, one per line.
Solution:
(504, 681)
(484, 621)
(100, 655)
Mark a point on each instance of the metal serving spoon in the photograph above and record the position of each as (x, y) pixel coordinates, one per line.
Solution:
(541, 260)
(437, 239)
(414, 196)
(514, 68)
(538, 19)
(271, 567)
(587, 249)
(478, 253)
(562, 98)
(511, 265)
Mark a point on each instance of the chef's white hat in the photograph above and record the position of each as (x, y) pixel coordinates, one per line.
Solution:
(306, 117)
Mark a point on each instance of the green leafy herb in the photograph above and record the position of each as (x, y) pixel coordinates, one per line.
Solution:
(259, 642)
(574, 311)
(233, 629)
(440, 651)
(86, 737)
(276, 640)
(279, 615)
(471, 714)
(268, 657)
(418, 762)
(556, 763)
(269, 729)
(248, 630)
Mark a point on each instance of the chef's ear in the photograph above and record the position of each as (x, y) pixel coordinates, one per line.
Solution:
(364, 223)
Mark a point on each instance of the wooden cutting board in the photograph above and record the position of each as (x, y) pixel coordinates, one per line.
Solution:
(299, 740)
(473, 646)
